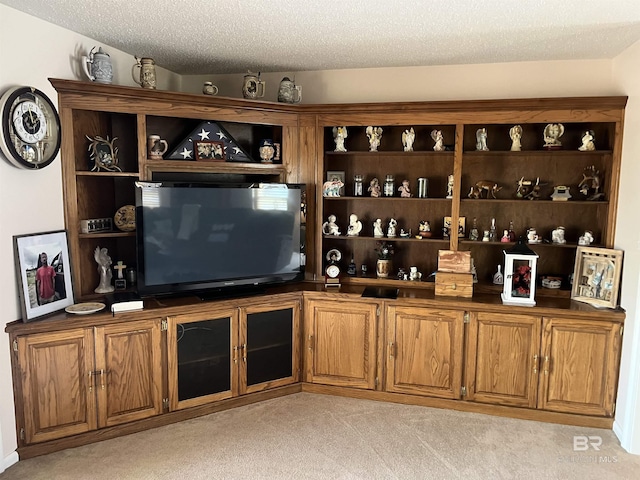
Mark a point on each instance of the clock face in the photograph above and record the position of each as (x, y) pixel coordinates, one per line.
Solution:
(30, 130)
(333, 271)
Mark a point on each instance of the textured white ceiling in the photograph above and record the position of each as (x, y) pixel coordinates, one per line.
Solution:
(233, 36)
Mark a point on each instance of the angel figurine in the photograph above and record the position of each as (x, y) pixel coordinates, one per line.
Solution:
(481, 140)
(330, 227)
(374, 187)
(339, 134)
(439, 139)
(355, 226)
(377, 228)
(375, 136)
(552, 134)
(588, 141)
(515, 133)
(102, 258)
(408, 137)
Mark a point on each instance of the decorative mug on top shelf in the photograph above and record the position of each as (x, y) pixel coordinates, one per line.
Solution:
(146, 77)
(209, 88)
(289, 92)
(253, 87)
(97, 66)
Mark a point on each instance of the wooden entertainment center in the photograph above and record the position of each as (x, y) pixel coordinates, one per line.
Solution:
(80, 379)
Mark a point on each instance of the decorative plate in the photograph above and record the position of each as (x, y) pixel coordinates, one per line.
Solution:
(125, 218)
(85, 308)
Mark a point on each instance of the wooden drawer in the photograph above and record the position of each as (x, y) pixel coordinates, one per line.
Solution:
(454, 284)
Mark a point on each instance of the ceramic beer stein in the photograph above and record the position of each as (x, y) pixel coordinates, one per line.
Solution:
(97, 66)
(146, 77)
(209, 89)
(253, 87)
(156, 147)
(289, 92)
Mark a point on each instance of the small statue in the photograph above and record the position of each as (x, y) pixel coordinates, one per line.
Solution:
(590, 184)
(414, 274)
(374, 187)
(474, 234)
(377, 229)
(339, 134)
(515, 133)
(485, 236)
(424, 230)
(330, 227)
(586, 239)
(484, 186)
(450, 187)
(103, 260)
(552, 133)
(532, 236)
(438, 138)
(375, 136)
(404, 234)
(505, 236)
(355, 226)
(481, 140)
(557, 236)
(498, 277)
(408, 137)
(332, 187)
(404, 189)
(391, 229)
(588, 141)
(527, 189)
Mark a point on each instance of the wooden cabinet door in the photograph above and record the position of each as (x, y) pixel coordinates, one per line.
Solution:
(503, 359)
(424, 351)
(579, 366)
(128, 371)
(202, 357)
(270, 346)
(341, 343)
(58, 392)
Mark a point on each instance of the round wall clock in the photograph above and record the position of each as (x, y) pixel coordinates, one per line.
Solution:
(30, 130)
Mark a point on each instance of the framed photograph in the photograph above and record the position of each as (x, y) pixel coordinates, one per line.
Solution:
(336, 177)
(210, 151)
(596, 276)
(44, 273)
(446, 227)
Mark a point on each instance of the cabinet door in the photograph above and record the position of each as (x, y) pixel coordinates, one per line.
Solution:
(424, 351)
(579, 366)
(128, 371)
(202, 353)
(502, 359)
(269, 346)
(57, 374)
(341, 343)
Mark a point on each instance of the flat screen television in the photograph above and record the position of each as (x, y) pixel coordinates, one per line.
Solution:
(217, 238)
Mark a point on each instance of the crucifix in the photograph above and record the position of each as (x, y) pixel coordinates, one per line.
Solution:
(120, 282)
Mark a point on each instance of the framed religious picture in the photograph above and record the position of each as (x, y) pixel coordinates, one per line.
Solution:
(596, 276)
(446, 226)
(44, 273)
(210, 151)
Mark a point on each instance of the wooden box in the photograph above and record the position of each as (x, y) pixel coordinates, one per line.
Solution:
(454, 284)
(455, 262)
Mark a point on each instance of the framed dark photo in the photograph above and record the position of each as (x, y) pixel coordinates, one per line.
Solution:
(210, 151)
(44, 273)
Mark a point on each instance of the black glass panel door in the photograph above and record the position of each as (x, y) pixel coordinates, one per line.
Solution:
(204, 358)
(269, 345)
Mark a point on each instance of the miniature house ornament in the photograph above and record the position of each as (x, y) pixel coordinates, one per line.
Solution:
(520, 265)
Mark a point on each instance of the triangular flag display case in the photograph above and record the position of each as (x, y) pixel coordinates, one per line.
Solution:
(200, 144)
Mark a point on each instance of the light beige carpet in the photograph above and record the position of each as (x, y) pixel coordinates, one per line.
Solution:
(309, 436)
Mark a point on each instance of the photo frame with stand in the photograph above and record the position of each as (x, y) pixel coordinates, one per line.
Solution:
(596, 276)
(44, 273)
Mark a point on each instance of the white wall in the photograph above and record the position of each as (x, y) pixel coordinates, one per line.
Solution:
(626, 69)
(31, 201)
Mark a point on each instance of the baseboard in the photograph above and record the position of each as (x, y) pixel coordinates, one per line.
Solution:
(9, 460)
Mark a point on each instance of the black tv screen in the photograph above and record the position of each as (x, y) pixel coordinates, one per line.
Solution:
(214, 237)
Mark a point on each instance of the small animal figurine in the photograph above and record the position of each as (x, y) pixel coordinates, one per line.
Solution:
(332, 187)
(484, 186)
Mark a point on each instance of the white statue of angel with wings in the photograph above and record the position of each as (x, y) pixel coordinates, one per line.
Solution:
(375, 136)
(339, 134)
(408, 137)
(439, 139)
